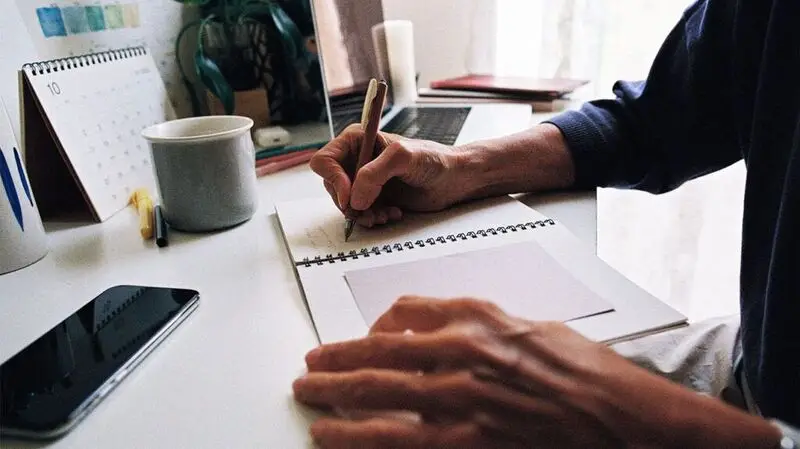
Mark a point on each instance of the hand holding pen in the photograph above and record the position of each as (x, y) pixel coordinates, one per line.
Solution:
(404, 174)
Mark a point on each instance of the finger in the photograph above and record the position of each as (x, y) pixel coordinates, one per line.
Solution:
(329, 164)
(332, 192)
(421, 314)
(366, 218)
(382, 433)
(453, 347)
(393, 161)
(397, 351)
(395, 214)
(381, 216)
(453, 394)
(332, 172)
(414, 313)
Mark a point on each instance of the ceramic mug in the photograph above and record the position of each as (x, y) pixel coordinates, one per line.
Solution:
(205, 171)
(22, 237)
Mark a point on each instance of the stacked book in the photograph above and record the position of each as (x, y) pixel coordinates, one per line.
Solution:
(542, 94)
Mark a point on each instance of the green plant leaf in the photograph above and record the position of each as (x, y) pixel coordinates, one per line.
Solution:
(213, 79)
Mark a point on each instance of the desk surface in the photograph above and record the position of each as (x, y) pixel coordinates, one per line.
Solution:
(223, 378)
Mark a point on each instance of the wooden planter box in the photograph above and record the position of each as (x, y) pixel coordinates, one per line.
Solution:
(248, 103)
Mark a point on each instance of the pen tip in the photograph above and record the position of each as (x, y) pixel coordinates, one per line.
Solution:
(348, 229)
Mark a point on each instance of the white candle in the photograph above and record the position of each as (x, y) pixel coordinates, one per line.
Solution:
(400, 48)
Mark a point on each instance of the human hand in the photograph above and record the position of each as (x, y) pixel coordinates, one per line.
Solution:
(406, 174)
(478, 378)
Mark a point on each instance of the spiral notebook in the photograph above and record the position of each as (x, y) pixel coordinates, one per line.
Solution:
(82, 119)
(529, 264)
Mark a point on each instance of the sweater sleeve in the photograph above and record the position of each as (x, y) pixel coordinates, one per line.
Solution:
(674, 126)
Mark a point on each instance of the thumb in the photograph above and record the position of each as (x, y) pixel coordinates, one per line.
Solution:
(393, 161)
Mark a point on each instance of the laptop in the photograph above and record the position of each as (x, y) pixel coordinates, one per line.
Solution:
(348, 60)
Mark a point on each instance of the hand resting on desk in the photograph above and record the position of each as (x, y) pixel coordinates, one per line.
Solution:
(479, 378)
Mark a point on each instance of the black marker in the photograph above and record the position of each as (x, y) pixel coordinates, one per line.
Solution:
(161, 227)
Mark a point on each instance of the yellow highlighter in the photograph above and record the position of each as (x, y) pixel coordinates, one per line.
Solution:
(144, 206)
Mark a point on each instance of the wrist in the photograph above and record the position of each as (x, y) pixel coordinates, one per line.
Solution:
(706, 422)
(790, 436)
(664, 415)
(533, 160)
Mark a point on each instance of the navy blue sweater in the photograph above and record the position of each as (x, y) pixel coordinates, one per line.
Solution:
(724, 86)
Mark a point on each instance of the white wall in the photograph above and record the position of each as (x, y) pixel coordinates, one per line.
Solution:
(683, 246)
(451, 37)
(15, 49)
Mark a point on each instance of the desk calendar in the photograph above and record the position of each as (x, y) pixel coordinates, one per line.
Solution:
(81, 123)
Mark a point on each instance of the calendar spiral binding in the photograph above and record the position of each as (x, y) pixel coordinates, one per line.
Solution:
(430, 241)
(85, 60)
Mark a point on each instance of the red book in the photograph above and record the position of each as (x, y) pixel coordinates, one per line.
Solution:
(545, 88)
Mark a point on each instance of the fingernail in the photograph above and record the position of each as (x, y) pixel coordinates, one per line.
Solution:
(314, 432)
(313, 356)
(297, 385)
(340, 200)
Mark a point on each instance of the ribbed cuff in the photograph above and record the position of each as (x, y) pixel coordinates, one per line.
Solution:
(586, 144)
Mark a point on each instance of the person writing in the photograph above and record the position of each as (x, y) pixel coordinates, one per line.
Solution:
(723, 87)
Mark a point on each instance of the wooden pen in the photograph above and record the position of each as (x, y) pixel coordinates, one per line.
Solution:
(370, 122)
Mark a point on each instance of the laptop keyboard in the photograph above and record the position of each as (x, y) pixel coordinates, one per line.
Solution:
(437, 124)
(342, 120)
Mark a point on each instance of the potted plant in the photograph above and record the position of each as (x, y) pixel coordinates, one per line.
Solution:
(247, 44)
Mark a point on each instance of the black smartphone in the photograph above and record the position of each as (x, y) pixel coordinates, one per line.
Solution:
(54, 382)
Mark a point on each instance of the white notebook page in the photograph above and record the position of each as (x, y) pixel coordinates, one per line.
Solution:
(520, 278)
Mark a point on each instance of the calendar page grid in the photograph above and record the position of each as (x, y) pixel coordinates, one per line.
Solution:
(98, 112)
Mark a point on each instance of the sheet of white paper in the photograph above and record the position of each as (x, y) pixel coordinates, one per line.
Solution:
(521, 278)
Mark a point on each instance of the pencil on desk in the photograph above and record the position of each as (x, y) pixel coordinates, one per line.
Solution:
(273, 167)
(283, 157)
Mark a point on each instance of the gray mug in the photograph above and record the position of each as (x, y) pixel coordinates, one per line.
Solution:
(205, 171)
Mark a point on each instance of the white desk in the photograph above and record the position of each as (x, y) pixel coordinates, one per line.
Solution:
(223, 378)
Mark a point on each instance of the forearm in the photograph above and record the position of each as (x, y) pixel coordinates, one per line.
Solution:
(664, 415)
(532, 160)
(712, 424)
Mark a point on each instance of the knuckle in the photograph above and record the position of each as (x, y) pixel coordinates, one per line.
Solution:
(454, 390)
(468, 345)
(362, 387)
(399, 151)
(477, 305)
(352, 129)
(403, 303)
(369, 174)
(317, 162)
(543, 328)
(380, 341)
(485, 306)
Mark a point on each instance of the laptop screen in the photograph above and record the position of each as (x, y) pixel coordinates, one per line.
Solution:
(347, 52)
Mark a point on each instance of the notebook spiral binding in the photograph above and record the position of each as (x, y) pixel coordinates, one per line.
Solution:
(431, 241)
(72, 62)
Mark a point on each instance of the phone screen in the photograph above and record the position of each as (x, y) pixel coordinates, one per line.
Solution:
(46, 384)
